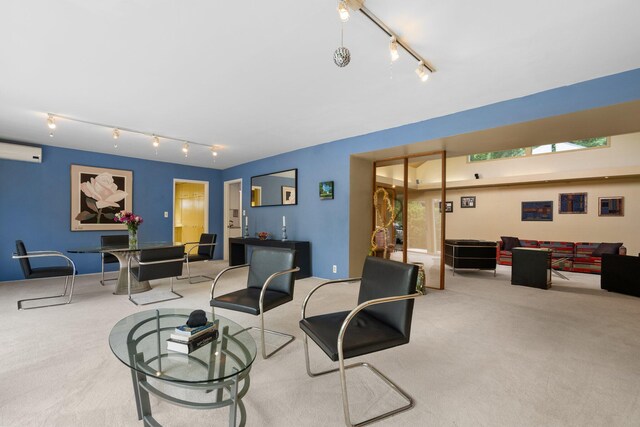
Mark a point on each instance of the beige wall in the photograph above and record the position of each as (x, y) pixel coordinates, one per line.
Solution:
(498, 213)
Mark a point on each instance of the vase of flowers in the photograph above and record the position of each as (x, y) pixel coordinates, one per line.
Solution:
(132, 221)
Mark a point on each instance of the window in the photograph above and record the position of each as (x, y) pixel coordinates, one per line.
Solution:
(558, 147)
(504, 154)
(569, 146)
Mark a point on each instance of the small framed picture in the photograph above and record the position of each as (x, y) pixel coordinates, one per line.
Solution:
(288, 195)
(468, 201)
(611, 206)
(448, 207)
(572, 203)
(326, 190)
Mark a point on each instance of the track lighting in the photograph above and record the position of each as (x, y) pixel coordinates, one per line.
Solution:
(51, 122)
(421, 71)
(342, 56)
(116, 132)
(343, 10)
(393, 49)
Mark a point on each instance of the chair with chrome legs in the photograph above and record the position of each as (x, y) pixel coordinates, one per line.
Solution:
(107, 258)
(269, 285)
(156, 263)
(45, 272)
(205, 249)
(381, 320)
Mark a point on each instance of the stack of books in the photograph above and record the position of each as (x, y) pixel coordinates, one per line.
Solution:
(185, 339)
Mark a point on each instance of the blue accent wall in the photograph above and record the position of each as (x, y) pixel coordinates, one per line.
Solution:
(325, 223)
(35, 203)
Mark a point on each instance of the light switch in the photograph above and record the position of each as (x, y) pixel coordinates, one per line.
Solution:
(166, 214)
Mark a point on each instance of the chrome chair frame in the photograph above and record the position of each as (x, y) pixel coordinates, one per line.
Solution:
(41, 254)
(186, 258)
(342, 368)
(262, 293)
(164, 261)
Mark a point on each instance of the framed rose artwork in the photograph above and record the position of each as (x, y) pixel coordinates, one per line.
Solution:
(97, 194)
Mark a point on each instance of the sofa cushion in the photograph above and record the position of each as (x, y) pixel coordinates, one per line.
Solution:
(509, 243)
(607, 248)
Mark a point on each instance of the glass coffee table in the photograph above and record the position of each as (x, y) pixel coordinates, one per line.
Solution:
(213, 376)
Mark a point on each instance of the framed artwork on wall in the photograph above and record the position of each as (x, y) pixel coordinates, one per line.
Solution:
(97, 194)
(537, 211)
(288, 195)
(468, 201)
(448, 206)
(611, 206)
(572, 203)
(326, 190)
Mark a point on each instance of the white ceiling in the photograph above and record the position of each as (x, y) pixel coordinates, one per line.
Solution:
(258, 78)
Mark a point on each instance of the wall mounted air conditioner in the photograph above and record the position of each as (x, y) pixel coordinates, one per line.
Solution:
(23, 153)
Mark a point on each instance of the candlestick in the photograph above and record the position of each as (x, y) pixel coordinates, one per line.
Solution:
(284, 232)
(246, 227)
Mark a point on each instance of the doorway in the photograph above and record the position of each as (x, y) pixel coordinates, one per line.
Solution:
(232, 212)
(190, 210)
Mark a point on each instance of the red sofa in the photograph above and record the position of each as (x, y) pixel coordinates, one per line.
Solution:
(567, 256)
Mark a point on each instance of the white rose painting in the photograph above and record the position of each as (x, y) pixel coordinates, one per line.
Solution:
(97, 195)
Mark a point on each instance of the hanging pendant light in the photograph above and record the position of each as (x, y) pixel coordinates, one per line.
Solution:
(343, 10)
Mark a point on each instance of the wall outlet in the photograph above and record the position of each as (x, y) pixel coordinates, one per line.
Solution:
(335, 268)
(166, 214)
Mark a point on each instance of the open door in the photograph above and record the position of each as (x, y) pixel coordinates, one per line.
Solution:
(190, 210)
(232, 212)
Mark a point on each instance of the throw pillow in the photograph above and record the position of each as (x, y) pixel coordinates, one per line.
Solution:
(607, 248)
(509, 243)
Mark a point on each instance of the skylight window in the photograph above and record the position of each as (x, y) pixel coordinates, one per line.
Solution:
(558, 147)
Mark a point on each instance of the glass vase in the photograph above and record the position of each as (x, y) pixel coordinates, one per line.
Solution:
(133, 238)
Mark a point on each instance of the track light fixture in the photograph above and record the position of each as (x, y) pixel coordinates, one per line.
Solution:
(343, 9)
(51, 122)
(116, 132)
(421, 71)
(393, 49)
(214, 151)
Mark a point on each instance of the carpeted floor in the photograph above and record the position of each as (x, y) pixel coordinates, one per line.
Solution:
(482, 352)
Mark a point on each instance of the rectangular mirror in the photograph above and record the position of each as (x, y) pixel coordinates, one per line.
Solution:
(275, 189)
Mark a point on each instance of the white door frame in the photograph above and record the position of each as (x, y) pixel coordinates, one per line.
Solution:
(206, 205)
(225, 224)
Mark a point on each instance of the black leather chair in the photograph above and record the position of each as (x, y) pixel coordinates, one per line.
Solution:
(107, 258)
(29, 272)
(206, 248)
(157, 263)
(269, 285)
(381, 320)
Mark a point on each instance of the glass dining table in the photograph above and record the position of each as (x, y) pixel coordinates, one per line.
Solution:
(123, 254)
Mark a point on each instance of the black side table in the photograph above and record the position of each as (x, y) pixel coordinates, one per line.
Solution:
(531, 267)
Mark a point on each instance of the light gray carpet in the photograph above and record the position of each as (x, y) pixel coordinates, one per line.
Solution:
(482, 352)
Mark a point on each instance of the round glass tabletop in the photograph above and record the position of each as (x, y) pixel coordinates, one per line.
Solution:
(140, 342)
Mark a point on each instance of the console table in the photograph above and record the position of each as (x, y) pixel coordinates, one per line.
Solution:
(465, 253)
(238, 252)
(531, 267)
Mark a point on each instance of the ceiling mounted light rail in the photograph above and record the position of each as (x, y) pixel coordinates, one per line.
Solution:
(117, 132)
(424, 66)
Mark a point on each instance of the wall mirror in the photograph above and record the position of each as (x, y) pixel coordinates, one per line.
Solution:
(275, 189)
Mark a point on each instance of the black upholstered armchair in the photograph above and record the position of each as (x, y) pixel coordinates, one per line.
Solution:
(29, 272)
(157, 263)
(111, 240)
(269, 285)
(205, 250)
(381, 320)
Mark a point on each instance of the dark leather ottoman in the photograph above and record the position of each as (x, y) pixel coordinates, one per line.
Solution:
(621, 273)
(467, 253)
